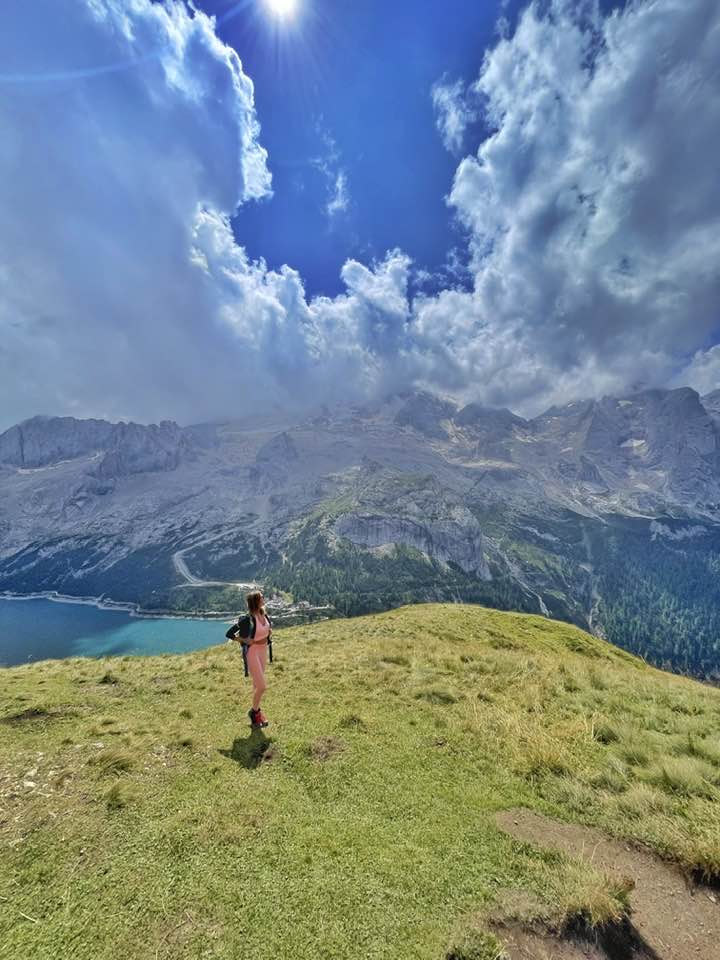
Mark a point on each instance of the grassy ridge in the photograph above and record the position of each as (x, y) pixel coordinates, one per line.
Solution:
(139, 818)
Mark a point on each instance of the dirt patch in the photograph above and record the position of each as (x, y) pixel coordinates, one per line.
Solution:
(352, 721)
(676, 920)
(109, 679)
(253, 751)
(524, 923)
(523, 943)
(164, 684)
(36, 714)
(32, 713)
(272, 753)
(325, 748)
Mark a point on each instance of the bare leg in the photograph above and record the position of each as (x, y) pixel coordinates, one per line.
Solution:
(256, 655)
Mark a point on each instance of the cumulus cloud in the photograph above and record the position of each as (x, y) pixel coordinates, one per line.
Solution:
(591, 212)
(101, 310)
(123, 292)
(453, 112)
(326, 349)
(703, 371)
(592, 209)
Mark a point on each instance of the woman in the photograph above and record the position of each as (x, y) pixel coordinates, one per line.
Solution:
(260, 632)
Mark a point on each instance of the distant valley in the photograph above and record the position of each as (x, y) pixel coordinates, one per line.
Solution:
(605, 513)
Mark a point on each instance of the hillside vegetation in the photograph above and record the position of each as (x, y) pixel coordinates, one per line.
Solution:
(139, 817)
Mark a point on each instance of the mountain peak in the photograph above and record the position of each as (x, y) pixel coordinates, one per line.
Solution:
(42, 441)
(476, 413)
(425, 412)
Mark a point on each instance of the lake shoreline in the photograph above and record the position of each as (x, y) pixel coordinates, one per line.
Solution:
(47, 626)
(133, 609)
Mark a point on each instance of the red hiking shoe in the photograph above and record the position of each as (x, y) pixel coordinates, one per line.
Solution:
(257, 718)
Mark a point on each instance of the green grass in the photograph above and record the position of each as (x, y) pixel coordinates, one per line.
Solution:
(139, 817)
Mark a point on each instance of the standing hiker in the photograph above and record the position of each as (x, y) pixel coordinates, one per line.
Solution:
(255, 632)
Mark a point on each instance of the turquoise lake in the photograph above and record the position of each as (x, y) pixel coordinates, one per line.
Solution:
(44, 629)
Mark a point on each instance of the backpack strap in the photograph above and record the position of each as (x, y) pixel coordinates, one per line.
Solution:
(245, 663)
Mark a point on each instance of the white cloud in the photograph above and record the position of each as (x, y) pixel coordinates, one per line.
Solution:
(593, 210)
(340, 199)
(703, 371)
(101, 310)
(327, 349)
(453, 112)
(123, 292)
(336, 178)
(592, 214)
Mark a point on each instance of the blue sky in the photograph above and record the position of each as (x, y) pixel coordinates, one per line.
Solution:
(356, 77)
(508, 203)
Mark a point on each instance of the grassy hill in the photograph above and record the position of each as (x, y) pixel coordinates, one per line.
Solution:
(140, 818)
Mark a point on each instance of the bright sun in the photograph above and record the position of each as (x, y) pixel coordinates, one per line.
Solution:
(282, 9)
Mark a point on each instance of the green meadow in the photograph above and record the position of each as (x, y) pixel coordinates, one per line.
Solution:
(141, 818)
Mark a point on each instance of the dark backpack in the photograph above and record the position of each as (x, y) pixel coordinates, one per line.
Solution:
(244, 629)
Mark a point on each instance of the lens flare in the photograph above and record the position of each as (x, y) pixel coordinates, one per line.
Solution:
(282, 9)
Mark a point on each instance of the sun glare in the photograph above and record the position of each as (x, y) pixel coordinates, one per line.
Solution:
(282, 9)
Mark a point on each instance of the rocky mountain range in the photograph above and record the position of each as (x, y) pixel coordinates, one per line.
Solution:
(603, 512)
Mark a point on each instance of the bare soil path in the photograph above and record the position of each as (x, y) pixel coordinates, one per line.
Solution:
(678, 921)
(525, 944)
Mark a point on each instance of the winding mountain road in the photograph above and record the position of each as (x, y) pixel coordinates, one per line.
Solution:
(192, 581)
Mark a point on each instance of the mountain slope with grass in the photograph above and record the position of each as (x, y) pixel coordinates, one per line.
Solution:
(139, 817)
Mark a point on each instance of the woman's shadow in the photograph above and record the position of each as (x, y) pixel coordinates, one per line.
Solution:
(250, 751)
